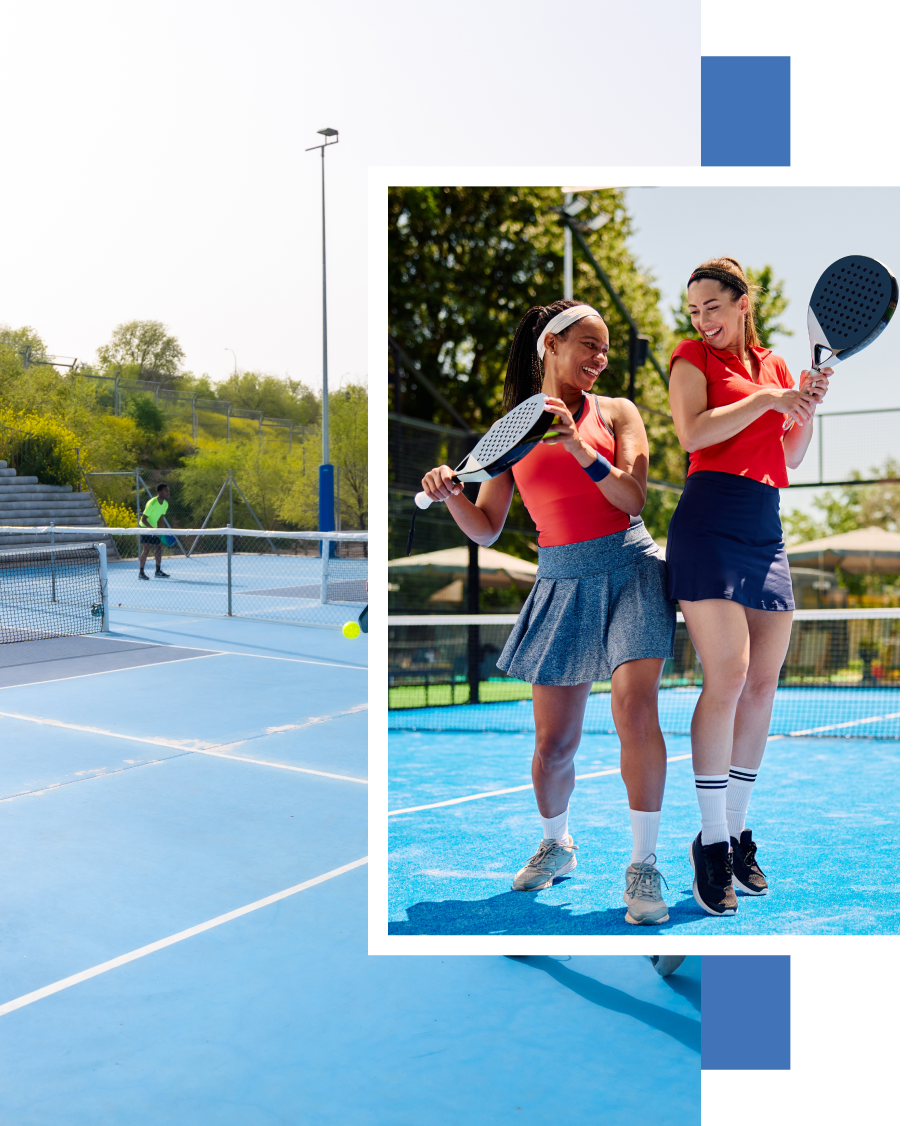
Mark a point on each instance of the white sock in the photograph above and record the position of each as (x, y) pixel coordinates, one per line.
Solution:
(741, 781)
(710, 793)
(556, 828)
(644, 834)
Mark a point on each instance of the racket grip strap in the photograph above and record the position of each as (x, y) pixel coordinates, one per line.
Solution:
(599, 468)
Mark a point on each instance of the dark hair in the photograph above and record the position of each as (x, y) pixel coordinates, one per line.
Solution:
(162, 486)
(525, 372)
(729, 274)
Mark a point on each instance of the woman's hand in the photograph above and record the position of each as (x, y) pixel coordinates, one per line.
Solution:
(564, 432)
(794, 402)
(816, 385)
(439, 483)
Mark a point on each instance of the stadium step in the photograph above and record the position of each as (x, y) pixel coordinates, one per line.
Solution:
(24, 503)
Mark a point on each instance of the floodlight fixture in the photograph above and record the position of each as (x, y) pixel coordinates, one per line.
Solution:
(601, 219)
(572, 207)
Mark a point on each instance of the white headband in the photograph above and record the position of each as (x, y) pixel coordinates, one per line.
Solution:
(562, 321)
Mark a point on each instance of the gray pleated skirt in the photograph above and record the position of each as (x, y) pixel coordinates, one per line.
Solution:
(594, 606)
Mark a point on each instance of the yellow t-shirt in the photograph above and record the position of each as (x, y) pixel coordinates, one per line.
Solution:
(154, 509)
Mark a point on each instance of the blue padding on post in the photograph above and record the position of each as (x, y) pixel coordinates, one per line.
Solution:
(745, 110)
(327, 498)
(745, 1012)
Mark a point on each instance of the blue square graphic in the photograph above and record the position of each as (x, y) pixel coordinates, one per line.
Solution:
(745, 109)
(746, 1012)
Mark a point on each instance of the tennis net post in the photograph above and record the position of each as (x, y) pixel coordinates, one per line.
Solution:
(104, 584)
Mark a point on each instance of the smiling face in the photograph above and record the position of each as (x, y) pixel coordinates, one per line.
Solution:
(578, 358)
(717, 313)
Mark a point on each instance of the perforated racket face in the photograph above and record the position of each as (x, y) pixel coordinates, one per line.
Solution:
(853, 301)
(505, 434)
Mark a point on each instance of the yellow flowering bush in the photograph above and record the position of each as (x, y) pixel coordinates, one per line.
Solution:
(43, 447)
(117, 515)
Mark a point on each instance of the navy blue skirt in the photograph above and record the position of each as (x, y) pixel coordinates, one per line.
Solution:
(726, 541)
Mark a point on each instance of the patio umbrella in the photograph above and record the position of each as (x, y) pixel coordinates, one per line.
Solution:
(867, 551)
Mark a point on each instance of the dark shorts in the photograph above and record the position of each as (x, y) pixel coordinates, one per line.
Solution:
(726, 541)
(152, 539)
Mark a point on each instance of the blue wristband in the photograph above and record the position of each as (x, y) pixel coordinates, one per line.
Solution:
(599, 468)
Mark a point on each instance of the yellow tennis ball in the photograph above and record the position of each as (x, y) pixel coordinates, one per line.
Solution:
(351, 630)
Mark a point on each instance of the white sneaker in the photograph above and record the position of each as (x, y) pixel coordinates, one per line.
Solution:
(644, 905)
(551, 859)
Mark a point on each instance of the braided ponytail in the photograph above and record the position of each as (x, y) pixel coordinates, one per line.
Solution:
(524, 376)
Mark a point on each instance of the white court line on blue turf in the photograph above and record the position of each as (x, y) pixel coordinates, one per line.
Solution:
(96, 774)
(143, 951)
(107, 672)
(510, 790)
(849, 723)
(192, 746)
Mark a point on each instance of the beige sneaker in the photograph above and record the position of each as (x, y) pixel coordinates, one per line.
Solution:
(644, 905)
(551, 859)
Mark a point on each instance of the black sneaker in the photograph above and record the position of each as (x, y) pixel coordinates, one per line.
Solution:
(746, 872)
(712, 877)
(143, 575)
(158, 574)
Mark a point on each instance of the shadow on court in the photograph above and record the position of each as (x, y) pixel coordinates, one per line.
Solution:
(517, 912)
(681, 1028)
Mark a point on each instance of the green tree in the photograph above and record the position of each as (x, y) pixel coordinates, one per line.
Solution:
(146, 346)
(769, 305)
(274, 397)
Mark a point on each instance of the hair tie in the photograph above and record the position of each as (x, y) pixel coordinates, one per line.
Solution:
(562, 321)
(724, 276)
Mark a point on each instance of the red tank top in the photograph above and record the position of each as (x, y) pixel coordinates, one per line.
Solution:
(757, 452)
(563, 501)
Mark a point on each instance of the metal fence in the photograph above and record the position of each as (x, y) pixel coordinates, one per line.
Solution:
(305, 577)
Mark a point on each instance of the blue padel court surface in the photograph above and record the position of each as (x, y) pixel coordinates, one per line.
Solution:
(183, 934)
(824, 813)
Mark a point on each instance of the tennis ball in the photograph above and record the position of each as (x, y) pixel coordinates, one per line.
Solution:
(351, 630)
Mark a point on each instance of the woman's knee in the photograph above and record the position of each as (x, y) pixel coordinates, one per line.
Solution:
(726, 680)
(635, 710)
(556, 754)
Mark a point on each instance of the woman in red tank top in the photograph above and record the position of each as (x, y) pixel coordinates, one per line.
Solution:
(727, 565)
(598, 609)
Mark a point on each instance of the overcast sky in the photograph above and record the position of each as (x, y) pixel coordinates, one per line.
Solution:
(154, 164)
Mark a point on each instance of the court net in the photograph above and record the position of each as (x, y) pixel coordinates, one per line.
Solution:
(48, 592)
(840, 677)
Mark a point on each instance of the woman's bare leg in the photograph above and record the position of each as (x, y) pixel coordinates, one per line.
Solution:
(769, 632)
(558, 714)
(643, 758)
(719, 631)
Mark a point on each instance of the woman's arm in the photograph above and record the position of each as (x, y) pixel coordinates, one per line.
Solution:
(482, 521)
(796, 440)
(698, 427)
(625, 484)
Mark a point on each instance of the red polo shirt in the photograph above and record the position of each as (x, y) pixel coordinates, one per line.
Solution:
(757, 452)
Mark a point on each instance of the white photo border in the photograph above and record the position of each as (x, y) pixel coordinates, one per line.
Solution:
(380, 180)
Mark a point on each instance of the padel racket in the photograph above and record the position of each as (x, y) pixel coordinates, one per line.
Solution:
(168, 541)
(666, 964)
(502, 445)
(851, 306)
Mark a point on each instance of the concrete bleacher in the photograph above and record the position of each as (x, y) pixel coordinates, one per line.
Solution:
(24, 503)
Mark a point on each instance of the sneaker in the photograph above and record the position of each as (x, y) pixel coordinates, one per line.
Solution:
(144, 575)
(551, 859)
(158, 574)
(666, 964)
(712, 877)
(644, 905)
(746, 872)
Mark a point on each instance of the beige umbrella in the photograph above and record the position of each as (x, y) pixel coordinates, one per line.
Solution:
(500, 568)
(867, 551)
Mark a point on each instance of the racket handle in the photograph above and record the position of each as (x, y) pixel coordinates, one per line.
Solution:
(423, 500)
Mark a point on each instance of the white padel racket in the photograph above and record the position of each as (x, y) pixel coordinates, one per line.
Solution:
(851, 306)
(666, 964)
(504, 444)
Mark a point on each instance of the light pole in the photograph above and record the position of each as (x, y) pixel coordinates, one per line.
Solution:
(326, 471)
(233, 354)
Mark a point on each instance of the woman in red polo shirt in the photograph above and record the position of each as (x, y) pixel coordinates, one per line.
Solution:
(727, 564)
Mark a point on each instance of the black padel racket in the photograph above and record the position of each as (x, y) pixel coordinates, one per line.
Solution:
(502, 445)
(851, 306)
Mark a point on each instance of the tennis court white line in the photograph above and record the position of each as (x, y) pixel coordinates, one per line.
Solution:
(91, 777)
(192, 746)
(849, 723)
(107, 672)
(153, 947)
(510, 790)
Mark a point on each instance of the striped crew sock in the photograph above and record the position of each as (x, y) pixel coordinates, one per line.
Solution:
(710, 793)
(556, 828)
(741, 781)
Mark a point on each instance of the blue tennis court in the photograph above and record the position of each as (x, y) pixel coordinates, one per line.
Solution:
(824, 814)
(183, 809)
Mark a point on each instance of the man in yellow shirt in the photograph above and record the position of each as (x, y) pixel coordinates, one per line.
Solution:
(154, 512)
